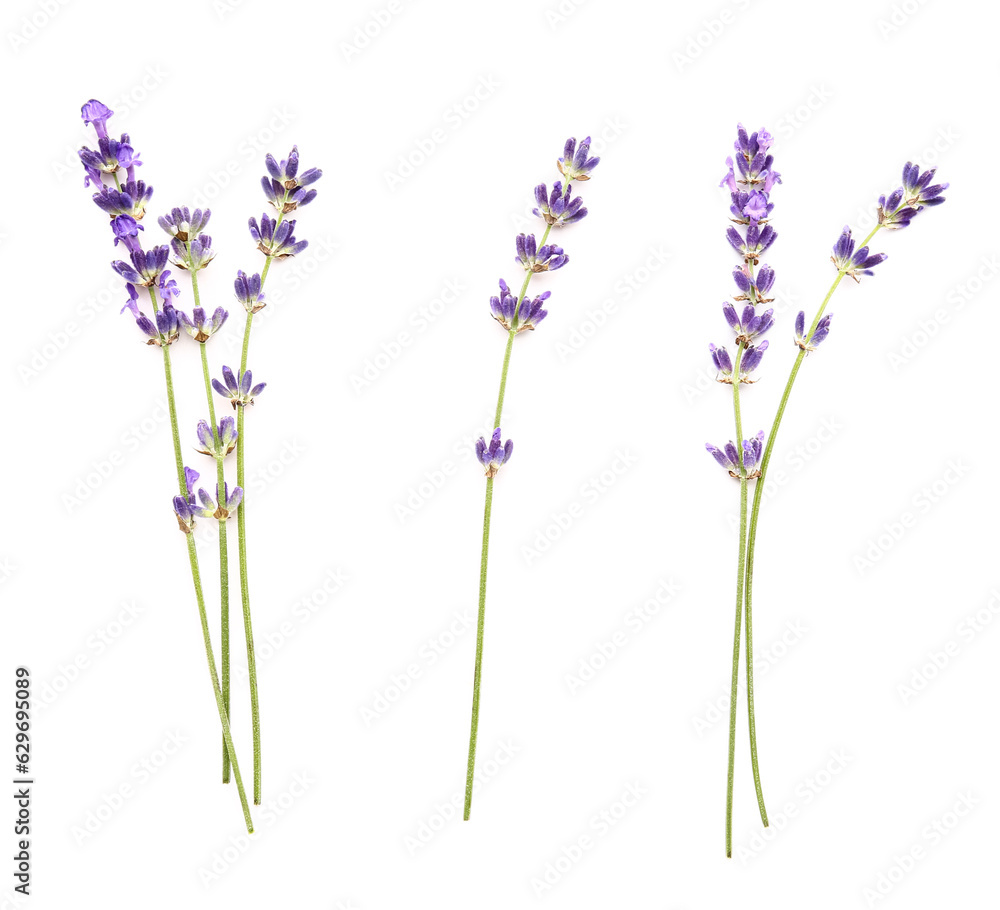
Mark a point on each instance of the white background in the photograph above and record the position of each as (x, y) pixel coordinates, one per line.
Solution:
(905, 382)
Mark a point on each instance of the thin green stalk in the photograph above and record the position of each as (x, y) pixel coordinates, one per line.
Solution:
(241, 536)
(223, 554)
(757, 499)
(734, 684)
(196, 577)
(474, 733)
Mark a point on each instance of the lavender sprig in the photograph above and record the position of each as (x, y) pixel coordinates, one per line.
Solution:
(517, 314)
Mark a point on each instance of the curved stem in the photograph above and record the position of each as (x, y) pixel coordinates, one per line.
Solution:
(759, 494)
(484, 558)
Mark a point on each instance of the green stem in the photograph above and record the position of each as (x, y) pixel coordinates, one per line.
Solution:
(758, 497)
(241, 536)
(223, 550)
(484, 558)
(734, 684)
(196, 578)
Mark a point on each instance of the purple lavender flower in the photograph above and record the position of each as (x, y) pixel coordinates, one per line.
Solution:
(145, 267)
(752, 161)
(167, 287)
(126, 230)
(558, 208)
(758, 240)
(130, 200)
(186, 507)
(199, 326)
(248, 292)
(183, 224)
(162, 329)
(752, 356)
(728, 456)
(574, 164)
(241, 391)
(852, 262)
(227, 437)
(99, 114)
(512, 317)
(276, 240)
(228, 502)
(749, 324)
(904, 203)
(110, 156)
(544, 259)
(285, 189)
(808, 342)
(495, 454)
(720, 357)
(754, 287)
(192, 255)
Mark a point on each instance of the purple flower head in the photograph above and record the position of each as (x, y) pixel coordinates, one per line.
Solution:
(276, 240)
(752, 161)
(228, 502)
(99, 114)
(758, 240)
(558, 207)
(750, 360)
(852, 262)
(126, 230)
(720, 357)
(162, 330)
(575, 163)
(111, 154)
(748, 324)
(807, 341)
(227, 436)
(167, 287)
(130, 200)
(248, 292)
(729, 457)
(544, 259)
(518, 318)
(192, 255)
(199, 326)
(286, 189)
(183, 224)
(754, 287)
(903, 204)
(495, 454)
(145, 267)
(186, 508)
(240, 391)
(756, 206)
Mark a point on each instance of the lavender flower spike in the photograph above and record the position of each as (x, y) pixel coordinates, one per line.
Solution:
(130, 200)
(285, 189)
(145, 267)
(227, 437)
(248, 292)
(544, 259)
(752, 356)
(728, 456)
(240, 392)
(274, 240)
(199, 326)
(854, 263)
(822, 330)
(512, 317)
(557, 207)
(574, 164)
(183, 224)
(495, 454)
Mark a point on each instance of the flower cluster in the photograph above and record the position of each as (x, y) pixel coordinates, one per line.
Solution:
(517, 318)
(189, 507)
(226, 434)
(904, 203)
(495, 453)
(240, 390)
(729, 458)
